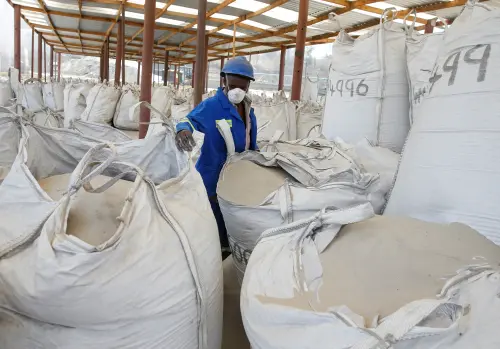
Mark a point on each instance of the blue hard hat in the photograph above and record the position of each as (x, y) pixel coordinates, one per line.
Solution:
(238, 66)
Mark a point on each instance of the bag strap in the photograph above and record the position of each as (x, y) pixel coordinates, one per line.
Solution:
(225, 132)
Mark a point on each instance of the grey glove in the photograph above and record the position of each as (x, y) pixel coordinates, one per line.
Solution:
(185, 141)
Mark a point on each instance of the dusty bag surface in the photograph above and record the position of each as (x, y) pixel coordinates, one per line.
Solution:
(75, 95)
(121, 119)
(326, 279)
(10, 134)
(368, 92)
(30, 95)
(101, 104)
(309, 120)
(273, 117)
(450, 164)
(155, 282)
(53, 95)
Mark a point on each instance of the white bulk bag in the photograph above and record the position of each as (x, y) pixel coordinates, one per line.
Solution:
(101, 104)
(180, 111)
(310, 89)
(421, 54)
(10, 134)
(325, 283)
(162, 100)
(47, 118)
(5, 93)
(259, 191)
(273, 117)
(30, 95)
(121, 120)
(155, 283)
(309, 119)
(75, 95)
(368, 88)
(53, 95)
(450, 165)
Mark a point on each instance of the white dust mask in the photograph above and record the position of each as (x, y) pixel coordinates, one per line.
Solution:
(236, 95)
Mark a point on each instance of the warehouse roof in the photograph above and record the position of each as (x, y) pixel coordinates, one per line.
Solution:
(250, 26)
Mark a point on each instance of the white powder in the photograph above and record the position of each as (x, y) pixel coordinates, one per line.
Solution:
(246, 183)
(92, 217)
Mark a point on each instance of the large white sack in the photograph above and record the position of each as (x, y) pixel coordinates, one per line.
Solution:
(47, 118)
(276, 116)
(5, 93)
(384, 282)
(75, 95)
(310, 89)
(260, 191)
(450, 165)
(180, 111)
(10, 134)
(155, 283)
(101, 104)
(309, 119)
(162, 100)
(368, 88)
(53, 95)
(421, 54)
(128, 99)
(30, 95)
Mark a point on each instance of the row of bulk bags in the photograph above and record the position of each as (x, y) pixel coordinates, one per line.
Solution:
(156, 269)
(101, 103)
(345, 278)
(75, 97)
(421, 55)
(129, 97)
(285, 182)
(309, 119)
(367, 96)
(53, 95)
(450, 164)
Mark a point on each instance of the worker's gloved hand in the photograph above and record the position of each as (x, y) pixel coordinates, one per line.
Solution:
(185, 140)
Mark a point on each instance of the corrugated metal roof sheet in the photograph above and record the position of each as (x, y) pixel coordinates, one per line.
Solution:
(183, 12)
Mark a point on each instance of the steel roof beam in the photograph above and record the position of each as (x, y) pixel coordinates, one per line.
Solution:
(41, 3)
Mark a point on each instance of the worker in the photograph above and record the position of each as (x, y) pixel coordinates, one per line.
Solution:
(232, 104)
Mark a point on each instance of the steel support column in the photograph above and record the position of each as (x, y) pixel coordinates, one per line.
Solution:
(221, 66)
(59, 66)
(119, 53)
(44, 61)
(51, 64)
(123, 46)
(192, 74)
(32, 53)
(200, 52)
(138, 72)
(147, 63)
(175, 76)
(281, 82)
(40, 56)
(17, 38)
(206, 64)
(106, 60)
(429, 26)
(298, 64)
(165, 69)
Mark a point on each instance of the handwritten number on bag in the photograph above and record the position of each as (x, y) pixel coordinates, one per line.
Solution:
(452, 64)
(348, 85)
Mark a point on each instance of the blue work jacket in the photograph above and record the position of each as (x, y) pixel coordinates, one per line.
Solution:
(214, 152)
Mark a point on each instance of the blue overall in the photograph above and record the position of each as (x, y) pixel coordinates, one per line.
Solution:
(214, 152)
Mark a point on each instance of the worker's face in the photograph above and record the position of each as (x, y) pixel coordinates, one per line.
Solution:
(234, 81)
